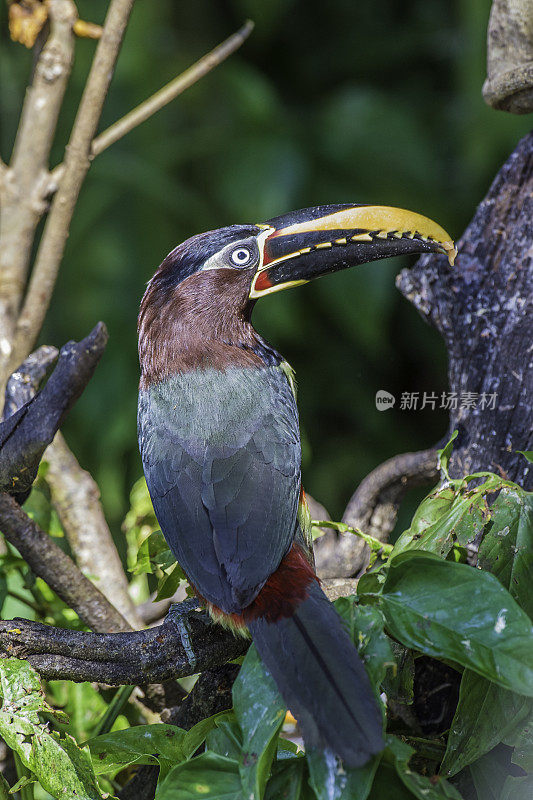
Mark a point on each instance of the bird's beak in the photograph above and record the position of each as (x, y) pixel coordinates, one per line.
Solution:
(302, 245)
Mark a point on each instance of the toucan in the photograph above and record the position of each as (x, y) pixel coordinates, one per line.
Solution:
(220, 446)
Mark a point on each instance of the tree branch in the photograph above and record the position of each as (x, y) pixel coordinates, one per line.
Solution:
(138, 657)
(50, 563)
(25, 435)
(76, 498)
(172, 90)
(23, 184)
(482, 309)
(373, 508)
(23, 384)
(77, 162)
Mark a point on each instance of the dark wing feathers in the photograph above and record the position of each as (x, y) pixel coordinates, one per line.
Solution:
(221, 455)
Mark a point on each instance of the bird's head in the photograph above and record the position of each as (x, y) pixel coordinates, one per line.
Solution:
(241, 263)
(205, 288)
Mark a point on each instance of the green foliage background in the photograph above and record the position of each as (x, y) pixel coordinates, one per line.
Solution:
(375, 101)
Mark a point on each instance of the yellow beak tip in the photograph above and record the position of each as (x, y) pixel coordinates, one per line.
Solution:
(451, 251)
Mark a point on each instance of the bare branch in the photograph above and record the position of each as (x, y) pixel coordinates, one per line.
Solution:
(23, 186)
(373, 508)
(25, 435)
(172, 90)
(54, 566)
(24, 383)
(77, 162)
(76, 498)
(138, 657)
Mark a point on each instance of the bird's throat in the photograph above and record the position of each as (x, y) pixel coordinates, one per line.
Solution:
(203, 323)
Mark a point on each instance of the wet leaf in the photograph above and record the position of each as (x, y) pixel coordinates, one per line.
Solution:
(517, 788)
(62, 768)
(332, 781)
(485, 715)
(169, 583)
(225, 738)
(444, 454)
(166, 745)
(208, 776)
(398, 683)
(523, 746)
(490, 772)
(289, 781)
(365, 625)
(507, 548)
(260, 712)
(452, 515)
(455, 612)
(399, 753)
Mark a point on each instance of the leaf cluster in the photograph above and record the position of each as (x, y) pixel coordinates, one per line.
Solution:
(454, 591)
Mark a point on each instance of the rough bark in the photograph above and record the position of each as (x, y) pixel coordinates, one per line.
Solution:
(482, 308)
(136, 657)
(76, 498)
(25, 435)
(48, 561)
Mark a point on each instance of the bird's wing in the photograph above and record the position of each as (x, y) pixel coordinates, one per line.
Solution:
(221, 455)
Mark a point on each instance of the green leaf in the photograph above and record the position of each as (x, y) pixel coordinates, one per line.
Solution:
(206, 777)
(225, 738)
(170, 582)
(388, 786)
(398, 684)
(332, 781)
(523, 746)
(484, 716)
(527, 454)
(444, 454)
(452, 515)
(260, 712)
(4, 789)
(399, 753)
(152, 550)
(62, 768)
(507, 548)
(455, 612)
(365, 625)
(166, 745)
(517, 788)
(489, 774)
(289, 781)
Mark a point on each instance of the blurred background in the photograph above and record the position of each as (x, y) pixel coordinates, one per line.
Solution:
(377, 101)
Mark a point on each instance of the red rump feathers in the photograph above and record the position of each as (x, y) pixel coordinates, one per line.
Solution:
(286, 588)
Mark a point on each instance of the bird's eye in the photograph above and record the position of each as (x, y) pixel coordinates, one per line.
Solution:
(241, 256)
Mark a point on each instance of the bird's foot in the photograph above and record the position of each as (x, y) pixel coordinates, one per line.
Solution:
(178, 614)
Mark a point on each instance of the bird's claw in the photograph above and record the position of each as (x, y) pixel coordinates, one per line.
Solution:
(178, 614)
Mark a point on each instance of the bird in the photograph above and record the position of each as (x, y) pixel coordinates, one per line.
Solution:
(220, 447)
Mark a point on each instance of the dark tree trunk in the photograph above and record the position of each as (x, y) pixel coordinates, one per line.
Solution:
(482, 308)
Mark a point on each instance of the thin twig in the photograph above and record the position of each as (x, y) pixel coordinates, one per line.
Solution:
(50, 563)
(373, 509)
(76, 498)
(24, 184)
(77, 162)
(172, 90)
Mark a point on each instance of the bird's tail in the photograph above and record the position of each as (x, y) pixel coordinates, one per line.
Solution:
(321, 678)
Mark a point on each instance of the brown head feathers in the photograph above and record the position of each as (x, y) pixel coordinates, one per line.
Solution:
(193, 319)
